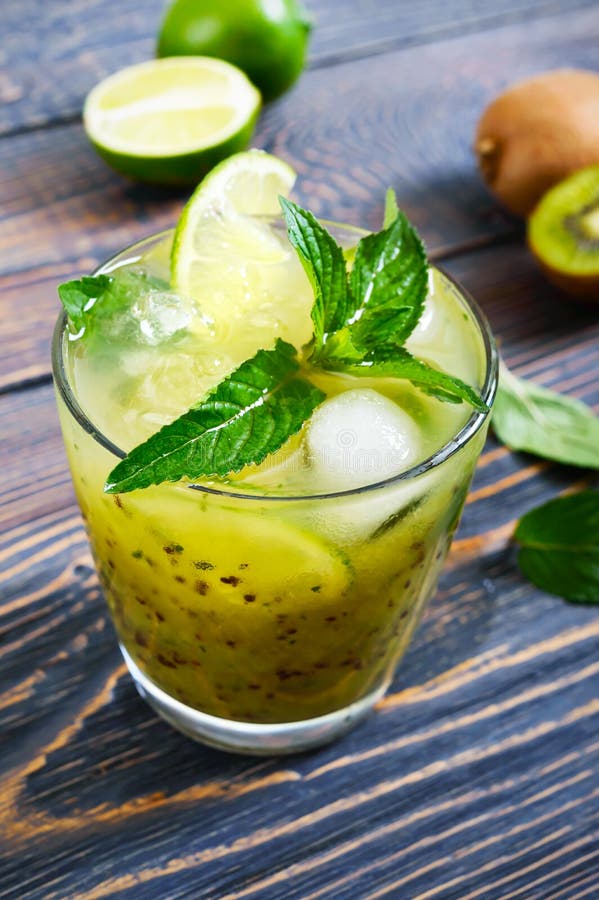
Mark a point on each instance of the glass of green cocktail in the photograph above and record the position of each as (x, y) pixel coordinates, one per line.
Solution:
(265, 610)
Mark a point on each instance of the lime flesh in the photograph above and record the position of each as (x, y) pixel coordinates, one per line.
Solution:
(228, 260)
(170, 121)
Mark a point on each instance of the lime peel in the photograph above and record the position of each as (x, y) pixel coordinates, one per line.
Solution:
(171, 120)
(243, 186)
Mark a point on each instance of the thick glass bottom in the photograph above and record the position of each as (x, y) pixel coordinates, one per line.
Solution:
(246, 737)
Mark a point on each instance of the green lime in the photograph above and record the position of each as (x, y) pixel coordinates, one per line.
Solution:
(266, 38)
(218, 244)
(171, 120)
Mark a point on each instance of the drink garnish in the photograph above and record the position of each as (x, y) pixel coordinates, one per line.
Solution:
(250, 414)
(361, 320)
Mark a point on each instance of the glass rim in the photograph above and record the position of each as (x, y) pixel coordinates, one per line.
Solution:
(463, 436)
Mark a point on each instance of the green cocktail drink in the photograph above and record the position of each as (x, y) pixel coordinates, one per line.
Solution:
(266, 610)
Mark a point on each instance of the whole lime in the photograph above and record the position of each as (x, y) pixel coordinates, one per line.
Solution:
(169, 121)
(267, 39)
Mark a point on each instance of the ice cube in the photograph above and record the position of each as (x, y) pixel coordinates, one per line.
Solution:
(161, 315)
(360, 437)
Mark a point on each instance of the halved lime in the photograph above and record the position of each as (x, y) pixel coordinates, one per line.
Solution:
(171, 120)
(231, 262)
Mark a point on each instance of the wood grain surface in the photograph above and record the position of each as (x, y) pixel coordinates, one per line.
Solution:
(478, 775)
(48, 69)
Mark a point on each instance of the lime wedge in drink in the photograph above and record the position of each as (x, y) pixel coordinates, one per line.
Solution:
(231, 261)
(171, 120)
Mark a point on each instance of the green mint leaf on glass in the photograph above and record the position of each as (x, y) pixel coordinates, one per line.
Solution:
(324, 264)
(250, 414)
(95, 298)
(389, 281)
(403, 365)
(80, 296)
(559, 547)
(532, 418)
(391, 208)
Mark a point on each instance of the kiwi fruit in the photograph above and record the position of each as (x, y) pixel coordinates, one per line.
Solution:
(537, 133)
(563, 233)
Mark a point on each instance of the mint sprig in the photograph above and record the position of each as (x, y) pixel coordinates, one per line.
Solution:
(379, 301)
(370, 312)
(389, 279)
(361, 321)
(250, 414)
(324, 264)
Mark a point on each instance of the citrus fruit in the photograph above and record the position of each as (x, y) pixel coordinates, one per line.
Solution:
(268, 40)
(171, 120)
(563, 233)
(220, 254)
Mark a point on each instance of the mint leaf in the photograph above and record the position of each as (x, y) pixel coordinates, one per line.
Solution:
(559, 544)
(391, 208)
(403, 365)
(247, 416)
(532, 418)
(95, 299)
(339, 350)
(324, 264)
(79, 297)
(389, 281)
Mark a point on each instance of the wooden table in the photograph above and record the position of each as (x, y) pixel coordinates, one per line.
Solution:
(478, 776)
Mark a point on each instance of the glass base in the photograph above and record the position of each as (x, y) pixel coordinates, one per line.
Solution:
(247, 737)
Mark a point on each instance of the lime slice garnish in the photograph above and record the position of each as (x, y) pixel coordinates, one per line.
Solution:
(231, 262)
(171, 120)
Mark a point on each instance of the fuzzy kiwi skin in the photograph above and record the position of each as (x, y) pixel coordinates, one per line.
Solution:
(536, 133)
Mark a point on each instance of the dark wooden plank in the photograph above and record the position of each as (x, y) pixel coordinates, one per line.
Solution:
(48, 70)
(34, 480)
(478, 772)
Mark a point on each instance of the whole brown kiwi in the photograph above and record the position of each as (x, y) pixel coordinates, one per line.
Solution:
(536, 133)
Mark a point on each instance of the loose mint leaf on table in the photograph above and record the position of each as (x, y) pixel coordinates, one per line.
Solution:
(559, 547)
(247, 416)
(403, 365)
(532, 418)
(324, 264)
